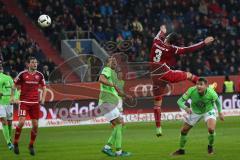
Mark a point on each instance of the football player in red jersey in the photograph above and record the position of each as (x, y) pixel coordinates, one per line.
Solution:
(29, 81)
(162, 57)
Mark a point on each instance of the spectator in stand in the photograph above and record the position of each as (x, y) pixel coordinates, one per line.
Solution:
(228, 85)
(216, 17)
(46, 73)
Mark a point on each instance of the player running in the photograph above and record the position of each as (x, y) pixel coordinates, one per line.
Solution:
(29, 82)
(202, 106)
(109, 98)
(162, 56)
(6, 109)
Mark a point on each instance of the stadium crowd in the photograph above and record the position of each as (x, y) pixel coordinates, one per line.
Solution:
(139, 21)
(16, 46)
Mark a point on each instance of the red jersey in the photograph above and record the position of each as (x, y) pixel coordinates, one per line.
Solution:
(29, 83)
(163, 53)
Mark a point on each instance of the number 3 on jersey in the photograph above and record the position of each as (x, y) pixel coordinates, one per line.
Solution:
(158, 55)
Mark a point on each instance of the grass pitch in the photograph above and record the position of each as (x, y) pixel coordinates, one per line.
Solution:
(86, 142)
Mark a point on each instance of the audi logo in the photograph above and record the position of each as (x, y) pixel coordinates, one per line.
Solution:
(146, 90)
(142, 90)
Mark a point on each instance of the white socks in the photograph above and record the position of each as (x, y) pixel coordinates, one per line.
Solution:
(107, 147)
(119, 152)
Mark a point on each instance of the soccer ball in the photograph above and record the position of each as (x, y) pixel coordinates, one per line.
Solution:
(44, 20)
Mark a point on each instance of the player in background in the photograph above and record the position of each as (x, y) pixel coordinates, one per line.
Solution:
(202, 106)
(109, 98)
(6, 109)
(162, 57)
(29, 81)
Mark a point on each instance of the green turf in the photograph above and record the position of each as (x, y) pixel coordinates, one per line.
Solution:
(86, 142)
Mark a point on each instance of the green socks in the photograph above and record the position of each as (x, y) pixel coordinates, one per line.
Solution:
(116, 137)
(118, 143)
(183, 140)
(112, 138)
(6, 133)
(211, 138)
(10, 130)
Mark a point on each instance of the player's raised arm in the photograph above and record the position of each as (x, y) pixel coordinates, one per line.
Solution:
(194, 47)
(161, 33)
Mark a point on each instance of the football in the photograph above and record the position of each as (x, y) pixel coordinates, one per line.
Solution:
(44, 20)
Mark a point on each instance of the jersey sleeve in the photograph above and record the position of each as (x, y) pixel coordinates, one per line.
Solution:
(19, 79)
(181, 101)
(192, 48)
(106, 72)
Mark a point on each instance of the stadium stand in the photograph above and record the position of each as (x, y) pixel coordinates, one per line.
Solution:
(138, 21)
(130, 20)
(18, 46)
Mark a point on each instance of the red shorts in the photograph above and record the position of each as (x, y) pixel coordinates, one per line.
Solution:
(162, 80)
(33, 109)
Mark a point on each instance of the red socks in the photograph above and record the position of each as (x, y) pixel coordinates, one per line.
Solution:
(157, 116)
(17, 135)
(33, 136)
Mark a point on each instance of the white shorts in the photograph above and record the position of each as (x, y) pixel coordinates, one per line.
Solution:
(111, 111)
(6, 111)
(120, 105)
(193, 118)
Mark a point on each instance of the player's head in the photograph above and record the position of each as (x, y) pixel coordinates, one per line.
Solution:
(172, 38)
(111, 62)
(32, 63)
(227, 78)
(202, 85)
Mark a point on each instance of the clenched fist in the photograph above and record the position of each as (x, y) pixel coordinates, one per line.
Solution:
(208, 40)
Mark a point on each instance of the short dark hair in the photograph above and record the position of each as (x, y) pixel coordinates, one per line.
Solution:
(172, 38)
(31, 58)
(227, 78)
(201, 79)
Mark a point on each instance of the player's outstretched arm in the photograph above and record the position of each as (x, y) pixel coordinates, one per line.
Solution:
(161, 33)
(194, 47)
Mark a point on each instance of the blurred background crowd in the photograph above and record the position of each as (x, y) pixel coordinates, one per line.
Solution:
(138, 22)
